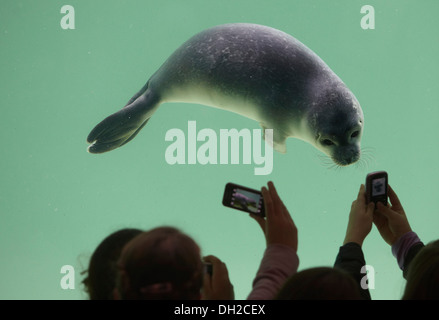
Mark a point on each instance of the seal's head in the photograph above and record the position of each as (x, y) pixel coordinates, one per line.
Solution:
(336, 122)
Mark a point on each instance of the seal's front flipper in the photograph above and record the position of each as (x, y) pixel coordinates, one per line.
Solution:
(275, 138)
(122, 126)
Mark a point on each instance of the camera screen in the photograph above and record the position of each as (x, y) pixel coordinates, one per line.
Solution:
(246, 200)
(378, 187)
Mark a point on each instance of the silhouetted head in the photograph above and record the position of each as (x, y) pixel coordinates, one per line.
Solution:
(102, 271)
(162, 263)
(322, 283)
(423, 274)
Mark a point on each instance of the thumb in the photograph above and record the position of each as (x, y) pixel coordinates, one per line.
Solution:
(370, 209)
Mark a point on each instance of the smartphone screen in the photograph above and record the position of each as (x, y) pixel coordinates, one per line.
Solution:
(244, 199)
(376, 187)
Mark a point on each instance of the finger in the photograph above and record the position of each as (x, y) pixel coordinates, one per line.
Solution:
(268, 202)
(370, 209)
(212, 259)
(359, 190)
(385, 211)
(277, 202)
(224, 270)
(394, 200)
(272, 189)
(220, 275)
(353, 204)
(361, 195)
(286, 213)
(285, 210)
(216, 263)
(379, 219)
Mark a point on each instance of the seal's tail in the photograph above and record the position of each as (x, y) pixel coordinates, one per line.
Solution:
(122, 126)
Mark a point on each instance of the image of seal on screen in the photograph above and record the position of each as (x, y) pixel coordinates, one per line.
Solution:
(244, 199)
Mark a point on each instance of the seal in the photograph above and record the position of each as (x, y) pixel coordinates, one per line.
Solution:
(258, 72)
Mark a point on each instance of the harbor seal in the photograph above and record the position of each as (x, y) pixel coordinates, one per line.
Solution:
(258, 72)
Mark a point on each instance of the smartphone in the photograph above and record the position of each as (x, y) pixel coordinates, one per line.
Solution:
(244, 199)
(376, 187)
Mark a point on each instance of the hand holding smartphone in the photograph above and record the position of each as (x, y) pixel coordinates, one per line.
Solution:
(376, 187)
(244, 199)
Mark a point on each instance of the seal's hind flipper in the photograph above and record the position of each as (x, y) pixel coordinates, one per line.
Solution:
(100, 146)
(122, 126)
(135, 133)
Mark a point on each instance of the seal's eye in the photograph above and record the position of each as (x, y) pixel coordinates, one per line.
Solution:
(355, 134)
(327, 142)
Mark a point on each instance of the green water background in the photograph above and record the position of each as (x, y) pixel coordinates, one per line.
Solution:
(57, 202)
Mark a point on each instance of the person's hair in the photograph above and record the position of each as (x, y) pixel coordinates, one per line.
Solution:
(162, 263)
(423, 274)
(321, 283)
(100, 279)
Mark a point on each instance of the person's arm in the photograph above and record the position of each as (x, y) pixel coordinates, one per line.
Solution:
(360, 219)
(391, 221)
(278, 264)
(280, 259)
(350, 257)
(405, 249)
(393, 225)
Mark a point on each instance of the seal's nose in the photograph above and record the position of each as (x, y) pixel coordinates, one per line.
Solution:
(347, 155)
